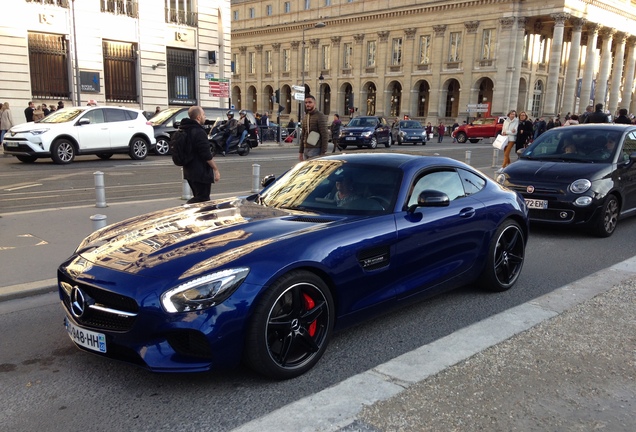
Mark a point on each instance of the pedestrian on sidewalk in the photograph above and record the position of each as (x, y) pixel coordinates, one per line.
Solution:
(509, 129)
(335, 131)
(315, 124)
(201, 170)
(440, 132)
(6, 120)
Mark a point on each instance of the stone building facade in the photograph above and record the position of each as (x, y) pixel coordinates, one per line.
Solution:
(135, 53)
(434, 60)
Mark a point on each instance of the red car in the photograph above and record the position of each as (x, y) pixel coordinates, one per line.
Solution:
(488, 127)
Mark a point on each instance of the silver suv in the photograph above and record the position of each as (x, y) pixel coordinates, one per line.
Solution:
(63, 134)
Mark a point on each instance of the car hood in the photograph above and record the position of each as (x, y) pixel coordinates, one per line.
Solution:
(413, 130)
(30, 126)
(193, 239)
(525, 170)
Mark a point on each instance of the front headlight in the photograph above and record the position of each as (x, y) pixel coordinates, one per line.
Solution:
(38, 131)
(203, 292)
(580, 186)
(501, 178)
(402, 134)
(366, 134)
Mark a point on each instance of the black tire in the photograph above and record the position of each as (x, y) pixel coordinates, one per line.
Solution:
(374, 142)
(27, 159)
(342, 146)
(461, 137)
(474, 140)
(605, 224)
(389, 142)
(104, 156)
(138, 148)
(244, 151)
(162, 147)
(291, 326)
(62, 151)
(506, 254)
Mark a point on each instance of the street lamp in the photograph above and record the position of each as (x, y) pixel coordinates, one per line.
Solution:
(317, 25)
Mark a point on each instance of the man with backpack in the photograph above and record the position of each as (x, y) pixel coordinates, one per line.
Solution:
(199, 168)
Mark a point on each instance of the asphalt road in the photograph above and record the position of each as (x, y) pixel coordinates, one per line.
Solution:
(49, 385)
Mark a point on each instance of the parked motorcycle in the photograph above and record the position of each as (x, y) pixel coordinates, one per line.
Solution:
(218, 136)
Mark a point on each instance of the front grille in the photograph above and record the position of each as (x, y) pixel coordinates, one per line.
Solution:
(551, 215)
(99, 319)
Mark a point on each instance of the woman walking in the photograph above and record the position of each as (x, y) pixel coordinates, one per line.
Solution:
(524, 132)
(6, 120)
(510, 126)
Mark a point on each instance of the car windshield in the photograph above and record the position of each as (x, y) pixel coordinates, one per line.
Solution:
(362, 122)
(63, 115)
(162, 116)
(574, 144)
(335, 187)
(412, 124)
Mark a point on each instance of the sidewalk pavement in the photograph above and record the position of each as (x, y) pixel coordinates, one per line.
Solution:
(563, 362)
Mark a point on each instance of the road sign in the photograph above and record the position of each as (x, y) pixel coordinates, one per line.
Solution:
(299, 88)
(299, 96)
(478, 106)
(476, 110)
(219, 87)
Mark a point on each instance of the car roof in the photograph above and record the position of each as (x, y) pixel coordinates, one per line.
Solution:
(396, 160)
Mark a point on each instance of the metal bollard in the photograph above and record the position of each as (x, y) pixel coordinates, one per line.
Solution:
(100, 190)
(186, 192)
(468, 155)
(99, 221)
(495, 158)
(256, 173)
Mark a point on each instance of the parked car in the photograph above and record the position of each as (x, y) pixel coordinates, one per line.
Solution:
(270, 133)
(408, 132)
(267, 278)
(578, 175)
(488, 127)
(365, 131)
(167, 121)
(65, 133)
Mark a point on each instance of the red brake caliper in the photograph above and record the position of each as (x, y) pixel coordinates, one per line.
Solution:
(309, 304)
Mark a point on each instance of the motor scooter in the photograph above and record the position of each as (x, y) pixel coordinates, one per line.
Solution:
(218, 136)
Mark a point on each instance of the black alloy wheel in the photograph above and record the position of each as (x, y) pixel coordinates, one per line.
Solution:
(608, 219)
(505, 258)
(291, 327)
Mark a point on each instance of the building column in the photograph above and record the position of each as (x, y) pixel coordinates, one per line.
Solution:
(556, 51)
(359, 99)
(571, 73)
(409, 95)
(606, 66)
(617, 73)
(313, 71)
(590, 64)
(471, 57)
(383, 96)
(437, 61)
(630, 69)
(261, 97)
(337, 97)
(506, 50)
(516, 67)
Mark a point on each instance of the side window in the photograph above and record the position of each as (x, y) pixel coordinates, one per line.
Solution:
(95, 116)
(114, 115)
(131, 115)
(471, 181)
(448, 182)
(180, 116)
(629, 145)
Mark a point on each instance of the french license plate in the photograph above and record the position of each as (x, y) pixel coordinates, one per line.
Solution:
(536, 204)
(10, 144)
(86, 338)
(350, 138)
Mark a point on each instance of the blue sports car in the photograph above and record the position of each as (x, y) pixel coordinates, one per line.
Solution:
(267, 278)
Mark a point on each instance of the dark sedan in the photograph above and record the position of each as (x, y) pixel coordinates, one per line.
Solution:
(365, 131)
(578, 175)
(408, 132)
(267, 278)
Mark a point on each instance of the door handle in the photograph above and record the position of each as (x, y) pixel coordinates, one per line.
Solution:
(467, 212)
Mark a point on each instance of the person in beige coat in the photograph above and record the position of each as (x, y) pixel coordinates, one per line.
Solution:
(6, 120)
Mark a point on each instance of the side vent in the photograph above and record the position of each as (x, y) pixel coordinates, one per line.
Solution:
(309, 219)
(373, 259)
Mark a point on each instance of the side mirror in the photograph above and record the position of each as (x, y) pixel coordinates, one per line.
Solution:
(430, 198)
(176, 124)
(84, 121)
(268, 180)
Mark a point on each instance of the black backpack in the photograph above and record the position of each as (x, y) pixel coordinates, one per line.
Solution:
(180, 148)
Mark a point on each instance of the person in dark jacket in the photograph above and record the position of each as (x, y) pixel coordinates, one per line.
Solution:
(314, 121)
(201, 171)
(539, 127)
(524, 131)
(335, 131)
(597, 116)
(622, 117)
